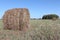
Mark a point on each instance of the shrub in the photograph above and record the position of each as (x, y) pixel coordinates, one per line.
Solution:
(50, 16)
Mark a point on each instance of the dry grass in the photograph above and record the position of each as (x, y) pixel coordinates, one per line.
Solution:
(39, 30)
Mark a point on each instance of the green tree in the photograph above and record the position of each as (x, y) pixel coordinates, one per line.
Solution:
(50, 16)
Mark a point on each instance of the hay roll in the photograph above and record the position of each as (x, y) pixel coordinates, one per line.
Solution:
(16, 19)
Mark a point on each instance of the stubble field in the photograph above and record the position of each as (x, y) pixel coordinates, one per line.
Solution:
(38, 30)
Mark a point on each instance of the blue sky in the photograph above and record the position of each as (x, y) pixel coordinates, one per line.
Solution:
(37, 8)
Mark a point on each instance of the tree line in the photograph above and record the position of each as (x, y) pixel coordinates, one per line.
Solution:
(48, 16)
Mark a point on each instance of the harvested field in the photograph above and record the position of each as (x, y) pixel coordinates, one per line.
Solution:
(39, 30)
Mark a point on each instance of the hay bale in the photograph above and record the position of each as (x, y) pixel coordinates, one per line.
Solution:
(54, 19)
(16, 19)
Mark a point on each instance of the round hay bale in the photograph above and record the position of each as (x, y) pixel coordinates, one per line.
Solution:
(54, 19)
(16, 19)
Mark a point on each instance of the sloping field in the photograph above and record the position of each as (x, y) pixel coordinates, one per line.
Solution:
(39, 30)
